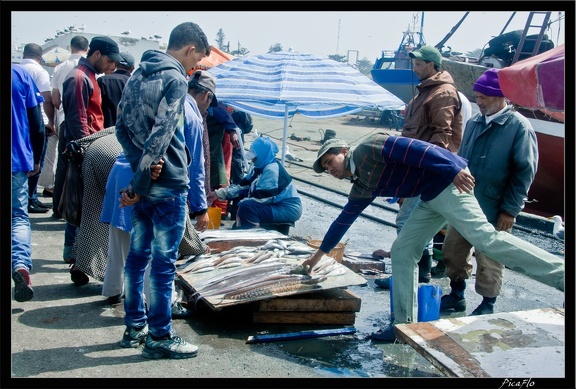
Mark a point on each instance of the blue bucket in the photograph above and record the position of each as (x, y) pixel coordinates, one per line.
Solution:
(428, 302)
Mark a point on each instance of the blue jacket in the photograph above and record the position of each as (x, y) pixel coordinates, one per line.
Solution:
(268, 182)
(28, 136)
(193, 133)
(150, 123)
(503, 157)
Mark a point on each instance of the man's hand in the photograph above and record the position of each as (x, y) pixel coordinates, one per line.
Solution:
(234, 140)
(50, 129)
(211, 197)
(464, 181)
(156, 169)
(129, 197)
(35, 171)
(311, 262)
(201, 222)
(505, 222)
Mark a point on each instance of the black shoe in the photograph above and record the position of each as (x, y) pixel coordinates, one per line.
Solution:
(384, 335)
(47, 193)
(424, 279)
(40, 204)
(77, 277)
(180, 312)
(22, 286)
(438, 271)
(483, 309)
(383, 282)
(33, 208)
(113, 300)
(449, 302)
(424, 267)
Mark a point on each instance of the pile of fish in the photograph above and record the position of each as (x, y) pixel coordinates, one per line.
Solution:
(258, 272)
(272, 251)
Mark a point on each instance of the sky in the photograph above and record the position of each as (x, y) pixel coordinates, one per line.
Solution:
(356, 33)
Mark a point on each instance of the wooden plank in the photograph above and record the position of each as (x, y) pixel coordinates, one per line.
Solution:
(509, 344)
(423, 336)
(264, 338)
(345, 318)
(339, 300)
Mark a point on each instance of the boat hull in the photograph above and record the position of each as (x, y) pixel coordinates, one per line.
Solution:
(546, 194)
(400, 82)
(464, 74)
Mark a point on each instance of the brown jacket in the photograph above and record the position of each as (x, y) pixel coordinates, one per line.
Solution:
(434, 115)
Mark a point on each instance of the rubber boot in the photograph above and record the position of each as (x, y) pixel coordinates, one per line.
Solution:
(424, 267)
(458, 288)
(486, 307)
(454, 301)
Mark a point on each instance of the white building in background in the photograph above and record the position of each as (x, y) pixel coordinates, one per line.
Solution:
(135, 46)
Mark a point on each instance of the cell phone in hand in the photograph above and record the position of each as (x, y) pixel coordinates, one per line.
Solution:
(129, 192)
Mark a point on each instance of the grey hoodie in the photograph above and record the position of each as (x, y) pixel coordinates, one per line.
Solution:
(150, 123)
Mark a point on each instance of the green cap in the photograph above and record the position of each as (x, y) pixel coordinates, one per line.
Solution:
(427, 53)
(325, 147)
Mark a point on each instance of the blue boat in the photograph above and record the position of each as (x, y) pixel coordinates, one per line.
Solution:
(393, 70)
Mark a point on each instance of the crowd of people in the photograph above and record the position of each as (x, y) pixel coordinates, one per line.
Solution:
(158, 149)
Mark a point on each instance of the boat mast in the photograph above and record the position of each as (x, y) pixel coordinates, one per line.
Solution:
(421, 42)
(507, 23)
(440, 44)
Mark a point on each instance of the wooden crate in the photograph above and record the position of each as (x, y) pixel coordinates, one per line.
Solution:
(333, 306)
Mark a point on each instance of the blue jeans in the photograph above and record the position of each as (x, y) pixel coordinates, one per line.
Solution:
(251, 213)
(158, 223)
(70, 232)
(461, 210)
(21, 231)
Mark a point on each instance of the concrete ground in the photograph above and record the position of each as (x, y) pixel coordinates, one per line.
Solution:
(69, 332)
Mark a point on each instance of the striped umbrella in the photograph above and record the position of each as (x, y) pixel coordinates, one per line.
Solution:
(279, 85)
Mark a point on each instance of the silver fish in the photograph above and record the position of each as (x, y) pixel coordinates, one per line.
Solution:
(291, 284)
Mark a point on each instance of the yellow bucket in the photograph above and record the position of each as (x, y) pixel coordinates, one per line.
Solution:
(337, 252)
(214, 216)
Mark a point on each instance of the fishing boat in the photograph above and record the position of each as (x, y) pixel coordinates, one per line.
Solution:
(393, 70)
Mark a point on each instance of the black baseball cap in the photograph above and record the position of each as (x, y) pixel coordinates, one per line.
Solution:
(127, 59)
(106, 46)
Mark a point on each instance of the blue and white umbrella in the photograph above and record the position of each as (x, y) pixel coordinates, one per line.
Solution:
(279, 85)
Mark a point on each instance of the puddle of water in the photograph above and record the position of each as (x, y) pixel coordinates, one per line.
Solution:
(361, 358)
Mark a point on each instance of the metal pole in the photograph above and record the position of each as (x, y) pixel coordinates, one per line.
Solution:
(284, 134)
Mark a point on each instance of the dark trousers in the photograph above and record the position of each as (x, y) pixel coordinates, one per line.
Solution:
(61, 167)
(33, 180)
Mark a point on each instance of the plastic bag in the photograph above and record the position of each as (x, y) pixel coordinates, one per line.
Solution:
(70, 206)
